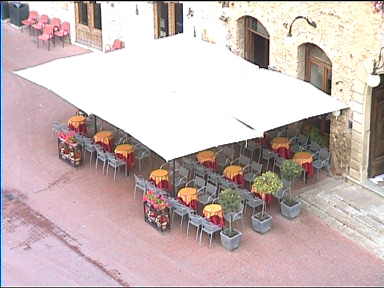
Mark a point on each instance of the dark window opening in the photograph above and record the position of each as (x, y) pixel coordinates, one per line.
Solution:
(83, 13)
(97, 15)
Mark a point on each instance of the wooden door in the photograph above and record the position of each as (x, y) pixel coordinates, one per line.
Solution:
(376, 159)
(88, 23)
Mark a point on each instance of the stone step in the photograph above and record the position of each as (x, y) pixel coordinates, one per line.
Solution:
(367, 230)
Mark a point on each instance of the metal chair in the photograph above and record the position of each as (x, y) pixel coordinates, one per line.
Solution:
(252, 202)
(57, 127)
(182, 211)
(140, 183)
(210, 229)
(278, 162)
(252, 171)
(101, 156)
(323, 162)
(115, 163)
(89, 147)
(237, 215)
(242, 160)
(267, 155)
(141, 155)
(194, 220)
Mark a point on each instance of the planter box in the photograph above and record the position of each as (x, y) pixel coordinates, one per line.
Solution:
(231, 243)
(290, 212)
(157, 218)
(261, 226)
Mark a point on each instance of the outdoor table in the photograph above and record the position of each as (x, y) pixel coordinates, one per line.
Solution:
(77, 123)
(304, 159)
(280, 145)
(235, 174)
(214, 213)
(125, 152)
(207, 158)
(189, 196)
(104, 138)
(160, 178)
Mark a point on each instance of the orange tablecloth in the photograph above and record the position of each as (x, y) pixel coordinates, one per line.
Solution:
(159, 175)
(302, 158)
(212, 209)
(232, 171)
(280, 142)
(187, 194)
(125, 151)
(76, 121)
(206, 156)
(103, 137)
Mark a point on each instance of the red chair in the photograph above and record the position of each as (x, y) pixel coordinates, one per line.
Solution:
(47, 35)
(39, 26)
(117, 44)
(63, 32)
(56, 22)
(32, 19)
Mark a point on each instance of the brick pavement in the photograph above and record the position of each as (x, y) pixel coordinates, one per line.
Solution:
(102, 217)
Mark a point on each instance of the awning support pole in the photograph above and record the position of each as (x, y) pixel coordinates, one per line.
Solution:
(95, 124)
(174, 177)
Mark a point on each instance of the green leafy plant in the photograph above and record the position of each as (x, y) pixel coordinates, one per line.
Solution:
(230, 201)
(289, 171)
(266, 183)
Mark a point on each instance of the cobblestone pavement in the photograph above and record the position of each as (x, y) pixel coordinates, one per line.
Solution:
(87, 228)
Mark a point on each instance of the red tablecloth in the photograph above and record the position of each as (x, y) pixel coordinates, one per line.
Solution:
(210, 164)
(215, 219)
(283, 152)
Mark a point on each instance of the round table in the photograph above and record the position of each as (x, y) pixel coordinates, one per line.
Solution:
(212, 209)
(280, 142)
(232, 171)
(125, 151)
(105, 139)
(187, 194)
(205, 156)
(159, 175)
(302, 158)
(77, 123)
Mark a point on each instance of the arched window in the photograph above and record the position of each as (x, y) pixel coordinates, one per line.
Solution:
(318, 68)
(256, 46)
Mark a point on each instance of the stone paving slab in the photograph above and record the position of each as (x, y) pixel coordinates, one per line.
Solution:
(351, 209)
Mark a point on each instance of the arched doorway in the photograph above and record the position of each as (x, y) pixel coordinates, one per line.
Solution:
(376, 148)
(256, 42)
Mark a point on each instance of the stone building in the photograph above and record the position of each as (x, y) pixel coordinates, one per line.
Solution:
(332, 45)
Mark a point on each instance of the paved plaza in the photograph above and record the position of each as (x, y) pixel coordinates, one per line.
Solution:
(77, 227)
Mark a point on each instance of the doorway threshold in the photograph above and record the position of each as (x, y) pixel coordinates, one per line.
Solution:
(370, 185)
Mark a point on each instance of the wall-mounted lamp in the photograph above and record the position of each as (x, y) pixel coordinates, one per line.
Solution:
(190, 13)
(336, 113)
(373, 79)
(310, 22)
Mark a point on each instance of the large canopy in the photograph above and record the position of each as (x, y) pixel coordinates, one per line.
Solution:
(179, 95)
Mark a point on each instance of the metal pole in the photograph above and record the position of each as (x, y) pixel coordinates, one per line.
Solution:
(95, 124)
(174, 177)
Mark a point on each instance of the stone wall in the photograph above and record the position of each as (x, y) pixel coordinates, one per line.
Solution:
(351, 36)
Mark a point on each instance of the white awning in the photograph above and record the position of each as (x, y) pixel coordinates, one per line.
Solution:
(179, 95)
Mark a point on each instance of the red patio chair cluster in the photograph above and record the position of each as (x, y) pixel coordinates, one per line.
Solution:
(46, 29)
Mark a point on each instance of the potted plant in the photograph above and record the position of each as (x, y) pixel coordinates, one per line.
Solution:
(230, 201)
(266, 183)
(290, 207)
